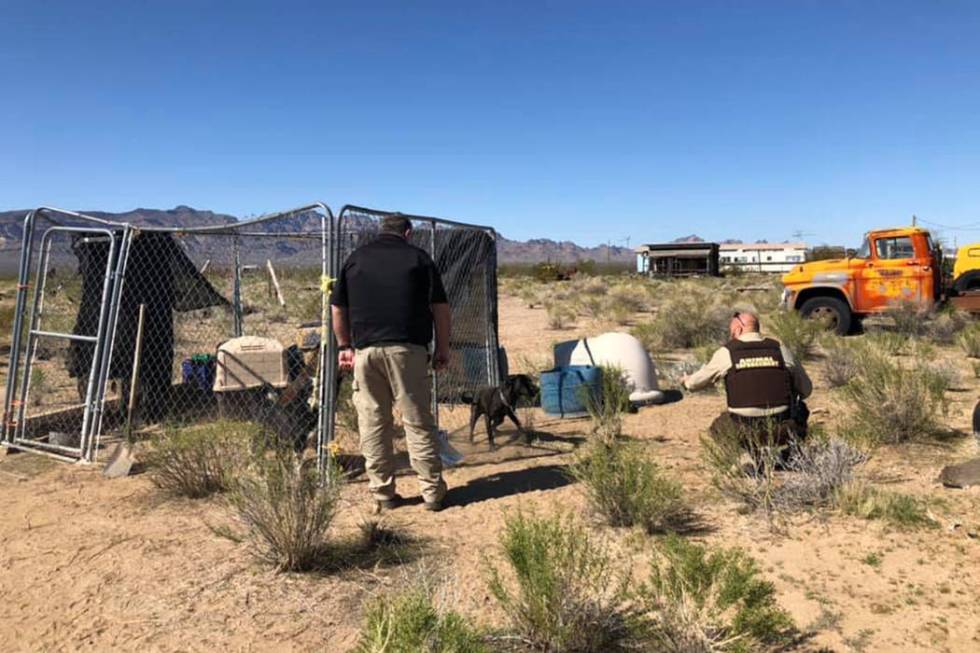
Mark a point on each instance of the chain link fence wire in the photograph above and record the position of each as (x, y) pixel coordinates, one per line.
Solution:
(233, 319)
(466, 257)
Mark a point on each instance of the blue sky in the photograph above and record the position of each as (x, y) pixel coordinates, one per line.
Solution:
(569, 120)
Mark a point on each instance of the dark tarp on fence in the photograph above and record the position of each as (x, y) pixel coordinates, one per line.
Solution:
(159, 275)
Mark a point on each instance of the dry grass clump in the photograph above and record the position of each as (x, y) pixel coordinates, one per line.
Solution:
(199, 461)
(286, 509)
(626, 487)
(705, 599)
(892, 403)
(901, 510)
(629, 296)
(412, 622)
(560, 589)
(797, 334)
(561, 314)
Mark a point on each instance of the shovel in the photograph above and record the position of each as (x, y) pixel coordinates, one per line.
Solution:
(121, 460)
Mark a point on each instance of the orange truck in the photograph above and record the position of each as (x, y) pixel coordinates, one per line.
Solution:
(893, 266)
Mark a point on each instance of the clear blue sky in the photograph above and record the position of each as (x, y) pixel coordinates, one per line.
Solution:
(569, 120)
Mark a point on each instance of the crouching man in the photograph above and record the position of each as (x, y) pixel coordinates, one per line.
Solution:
(765, 388)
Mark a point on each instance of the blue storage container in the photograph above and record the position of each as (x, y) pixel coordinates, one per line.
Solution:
(198, 371)
(565, 390)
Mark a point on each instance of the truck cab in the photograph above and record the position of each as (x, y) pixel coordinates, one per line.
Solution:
(893, 266)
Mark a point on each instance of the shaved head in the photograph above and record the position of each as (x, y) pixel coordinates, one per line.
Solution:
(743, 322)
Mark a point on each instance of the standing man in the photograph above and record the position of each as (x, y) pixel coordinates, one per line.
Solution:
(764, 385)
(385, 304)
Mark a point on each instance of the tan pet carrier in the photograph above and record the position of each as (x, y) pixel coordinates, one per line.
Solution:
(251, 362)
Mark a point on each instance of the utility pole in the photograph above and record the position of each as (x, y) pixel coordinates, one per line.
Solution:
(913, 219)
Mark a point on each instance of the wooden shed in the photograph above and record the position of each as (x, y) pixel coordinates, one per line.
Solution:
(678, 259)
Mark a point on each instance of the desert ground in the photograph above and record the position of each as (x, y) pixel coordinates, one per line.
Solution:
(93, 564)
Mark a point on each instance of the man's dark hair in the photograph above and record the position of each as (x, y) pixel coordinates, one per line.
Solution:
(395, 223)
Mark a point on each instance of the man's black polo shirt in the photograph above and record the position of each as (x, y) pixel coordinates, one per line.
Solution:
(388, 286)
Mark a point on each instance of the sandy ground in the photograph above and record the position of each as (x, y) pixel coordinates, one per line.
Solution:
(91, 564)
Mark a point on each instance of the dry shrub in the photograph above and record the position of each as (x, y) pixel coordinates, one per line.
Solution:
(560, 314)
(892, 403)
(412, 622)
(593, 307)
(910, 318)
(705, 599)
(626, 487)
(591, 285)
(630, 297)
(561, 590)
(685, 321)
(751, 483)
(841, 360)
(286, 509)
(969, 340)
(200, 461)
(946, 326)
(818, 468)
(890, 343)
(796, 333)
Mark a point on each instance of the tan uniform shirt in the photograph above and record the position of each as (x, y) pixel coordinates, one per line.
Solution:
(716, 369)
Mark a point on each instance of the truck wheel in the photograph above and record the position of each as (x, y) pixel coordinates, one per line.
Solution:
(835, 313)
(967, 282)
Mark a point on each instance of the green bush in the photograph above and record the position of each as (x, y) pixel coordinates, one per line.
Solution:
(561, 591)
(969, 340)
(199, 461)
(626, 487)
(685, 321)
(901, 510)
(797, 334)
(711, 599)
(892, 403)
(409, 622)
(606, 407)
(286, 509)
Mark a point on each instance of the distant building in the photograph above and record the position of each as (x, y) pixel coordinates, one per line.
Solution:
(677, 259)
(762, 257)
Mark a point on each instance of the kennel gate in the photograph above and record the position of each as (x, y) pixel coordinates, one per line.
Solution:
(197, 281)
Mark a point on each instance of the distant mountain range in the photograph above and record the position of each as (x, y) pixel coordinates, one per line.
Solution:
(508, 251)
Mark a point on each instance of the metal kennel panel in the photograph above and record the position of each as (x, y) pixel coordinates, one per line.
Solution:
(54, 393)
(466, 257)
(201, 287)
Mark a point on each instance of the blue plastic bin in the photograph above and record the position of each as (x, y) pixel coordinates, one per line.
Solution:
(564, 390)
(199, 371)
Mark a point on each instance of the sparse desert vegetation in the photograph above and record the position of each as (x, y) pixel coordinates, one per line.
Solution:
(623, 531)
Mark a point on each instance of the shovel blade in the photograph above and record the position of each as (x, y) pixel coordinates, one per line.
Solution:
(121, 461)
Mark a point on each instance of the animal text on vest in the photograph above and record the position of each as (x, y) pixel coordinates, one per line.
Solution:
(756, 361)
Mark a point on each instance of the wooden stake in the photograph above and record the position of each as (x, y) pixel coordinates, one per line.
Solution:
(134, 380)
(275, 282)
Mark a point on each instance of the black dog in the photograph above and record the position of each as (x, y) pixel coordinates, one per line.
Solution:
(499, 402)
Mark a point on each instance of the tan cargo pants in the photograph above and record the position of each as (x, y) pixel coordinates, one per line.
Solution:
(397, 375)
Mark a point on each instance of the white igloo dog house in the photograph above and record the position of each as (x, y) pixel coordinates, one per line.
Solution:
(617, 350)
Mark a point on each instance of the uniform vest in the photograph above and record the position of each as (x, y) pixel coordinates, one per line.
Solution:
(758, 377)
